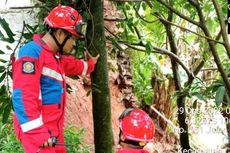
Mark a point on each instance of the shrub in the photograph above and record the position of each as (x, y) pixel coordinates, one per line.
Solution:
(9, 143)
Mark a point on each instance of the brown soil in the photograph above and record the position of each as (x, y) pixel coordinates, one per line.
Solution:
(79, 108)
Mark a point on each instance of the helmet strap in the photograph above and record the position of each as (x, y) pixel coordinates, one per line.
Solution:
(134, 144)
(60, 46)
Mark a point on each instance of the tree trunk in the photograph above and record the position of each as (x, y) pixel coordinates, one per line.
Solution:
(103, 136)
(184, 138)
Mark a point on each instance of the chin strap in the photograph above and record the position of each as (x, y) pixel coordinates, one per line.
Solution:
(60, 46)
(135, 144)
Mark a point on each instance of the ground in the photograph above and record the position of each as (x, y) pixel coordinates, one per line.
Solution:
(79, 108)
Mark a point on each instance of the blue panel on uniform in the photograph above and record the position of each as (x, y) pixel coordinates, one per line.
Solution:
(19, 106)
(51, 90)
(30, 50)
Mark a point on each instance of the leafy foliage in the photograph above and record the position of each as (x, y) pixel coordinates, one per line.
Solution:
(190, 45)
(142, 72)
(5, 72)
(9, 143)
(144, 68)
(74, 137)
(9, 38)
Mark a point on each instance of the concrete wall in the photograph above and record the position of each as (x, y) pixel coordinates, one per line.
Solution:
(15, 18)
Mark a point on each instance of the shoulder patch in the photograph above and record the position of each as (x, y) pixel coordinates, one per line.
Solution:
(28, 67)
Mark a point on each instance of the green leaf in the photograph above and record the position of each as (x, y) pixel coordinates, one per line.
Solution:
(144, 6)
(130, 26)
(2, 69)
(2, 108)
(8, 47)
(6, 112)
(68, 88)
(2, 90)
(74, 77)
(30, 28)
(148, 47)
(220, 95)
(88, 93)
(194, 105)
(228, 99)
(27, 36)
(8, 31)
(1, 52)
(2, 77)
(224, 9)
(3, 61)
(198, 95)
(127, 7)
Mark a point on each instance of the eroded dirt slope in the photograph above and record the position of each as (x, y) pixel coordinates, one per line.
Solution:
(79, 108)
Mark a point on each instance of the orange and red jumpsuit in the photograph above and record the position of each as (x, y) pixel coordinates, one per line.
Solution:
(39, 94)
(127, 150)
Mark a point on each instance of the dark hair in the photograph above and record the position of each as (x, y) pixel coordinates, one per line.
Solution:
(126, 112)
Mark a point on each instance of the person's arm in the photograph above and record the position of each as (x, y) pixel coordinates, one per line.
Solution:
(26, 96)
(73, 66)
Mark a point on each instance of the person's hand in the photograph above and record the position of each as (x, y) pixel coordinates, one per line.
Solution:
(90, 56)
(48, 143)
(86, 81)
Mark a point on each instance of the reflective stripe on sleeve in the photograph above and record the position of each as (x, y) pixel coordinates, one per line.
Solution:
(40, 95)
(16, 54)
(85, 68)
(51, 73)
(32, 124)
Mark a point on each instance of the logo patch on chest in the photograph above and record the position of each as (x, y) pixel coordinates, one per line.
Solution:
(28, 67)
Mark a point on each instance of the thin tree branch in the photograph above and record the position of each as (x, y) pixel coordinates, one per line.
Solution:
(111, 32)
(201, 64)
(115, 19)
(218, 36)
(222, 26)
(25, 7)
(11, 57)
(19, 41)
(178, 13)
(213, 49)
(210, 69)
(193, 2)
(156, 50)
(208, 38)
(138, 33)
(142, 17)
(149, 2)
(173, 49)
(161, 51)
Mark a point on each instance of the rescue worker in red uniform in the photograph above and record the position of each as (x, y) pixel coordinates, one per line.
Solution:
(39, 87)
(136, 130)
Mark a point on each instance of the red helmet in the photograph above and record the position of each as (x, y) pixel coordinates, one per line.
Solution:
(136, 125)
(65, 17)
